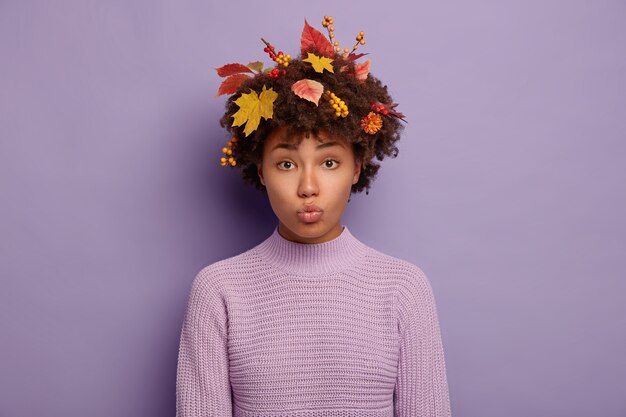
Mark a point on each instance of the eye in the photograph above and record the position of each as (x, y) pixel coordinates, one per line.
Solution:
(285, 165)
(331, 163)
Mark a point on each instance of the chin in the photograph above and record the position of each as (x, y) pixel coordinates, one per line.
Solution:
(308, 231)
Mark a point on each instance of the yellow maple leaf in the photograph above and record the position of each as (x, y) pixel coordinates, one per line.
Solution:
(252, 107)
(319, 63)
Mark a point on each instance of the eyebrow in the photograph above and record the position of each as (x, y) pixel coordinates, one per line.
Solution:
(291, 146)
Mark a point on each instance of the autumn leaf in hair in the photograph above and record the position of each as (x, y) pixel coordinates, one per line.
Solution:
(235, 75)
(354, 57)
(313, 40)
(387, 109)
(252, 107)
(319, 63)
(361, 70)
(309, 90)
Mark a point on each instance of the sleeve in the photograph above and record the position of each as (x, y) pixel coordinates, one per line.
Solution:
(202, 380)
(421, 387)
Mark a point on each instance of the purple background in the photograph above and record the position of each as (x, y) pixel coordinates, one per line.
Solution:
(509, 191)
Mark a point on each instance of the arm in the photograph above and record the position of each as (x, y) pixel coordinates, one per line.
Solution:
(202, 380)
(421, 386)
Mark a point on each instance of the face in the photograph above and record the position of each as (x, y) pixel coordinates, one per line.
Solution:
(308, 184)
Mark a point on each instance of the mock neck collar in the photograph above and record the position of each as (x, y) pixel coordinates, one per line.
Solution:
(311, 258)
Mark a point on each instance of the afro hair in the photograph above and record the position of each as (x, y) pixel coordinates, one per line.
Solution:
(361, 94)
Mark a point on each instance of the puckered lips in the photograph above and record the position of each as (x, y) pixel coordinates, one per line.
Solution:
(310, 213)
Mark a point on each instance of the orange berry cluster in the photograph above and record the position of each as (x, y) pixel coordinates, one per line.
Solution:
(280, 58)
(228, 151)
(359, 40)
(283, 59)
(327, 23)
(328, 20)
(341, 109)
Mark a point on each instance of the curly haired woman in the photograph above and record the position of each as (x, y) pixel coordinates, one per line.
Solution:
(311, 321)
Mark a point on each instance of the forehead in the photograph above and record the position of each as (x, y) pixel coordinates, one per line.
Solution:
(295, 139)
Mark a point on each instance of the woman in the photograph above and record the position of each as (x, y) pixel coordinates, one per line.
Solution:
(310, 322)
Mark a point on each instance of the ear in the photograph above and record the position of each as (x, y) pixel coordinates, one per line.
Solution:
(259, 168)
(357, 171)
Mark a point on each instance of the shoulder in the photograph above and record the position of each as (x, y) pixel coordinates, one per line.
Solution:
(413, 289)
(209, 290)
(217, 273)
(405, 273)
(220, 274)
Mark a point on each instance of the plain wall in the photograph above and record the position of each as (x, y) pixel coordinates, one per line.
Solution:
(509, 191)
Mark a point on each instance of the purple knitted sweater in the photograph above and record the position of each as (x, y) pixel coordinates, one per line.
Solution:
(305, 330)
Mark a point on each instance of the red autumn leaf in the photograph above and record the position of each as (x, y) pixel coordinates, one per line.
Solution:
(230, 69)
(354, 57)
(395, 113)
(362, 70)
(313, 40)
(309, 90)
(390, 108)
(232, 83)
(398, 115)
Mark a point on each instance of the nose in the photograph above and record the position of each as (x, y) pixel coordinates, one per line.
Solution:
(308, 185)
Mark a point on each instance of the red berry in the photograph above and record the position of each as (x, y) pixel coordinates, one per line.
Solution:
(385, 112)
(266, 49)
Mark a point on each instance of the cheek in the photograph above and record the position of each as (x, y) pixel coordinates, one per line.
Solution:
(341, 187)
(277, 202)
(278, 189)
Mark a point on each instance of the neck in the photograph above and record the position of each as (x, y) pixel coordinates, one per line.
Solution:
(289, 235)
(312, 258)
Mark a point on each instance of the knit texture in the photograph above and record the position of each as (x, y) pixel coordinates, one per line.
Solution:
(304, 330)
